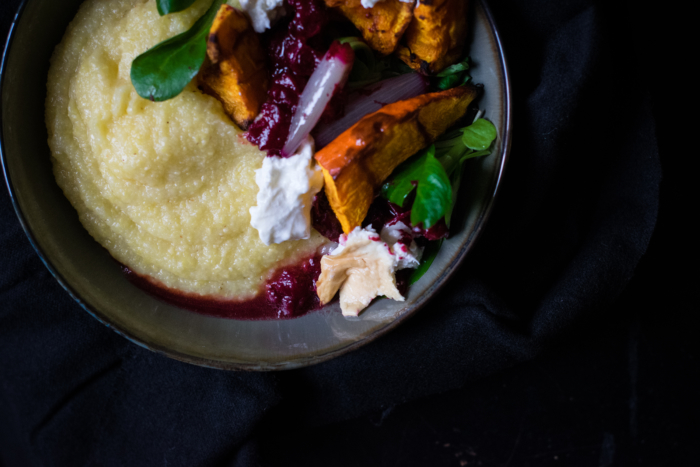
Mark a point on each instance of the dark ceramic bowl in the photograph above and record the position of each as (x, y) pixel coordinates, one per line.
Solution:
(95, 281)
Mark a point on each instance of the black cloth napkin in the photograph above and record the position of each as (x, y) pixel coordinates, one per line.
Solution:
(577, 210)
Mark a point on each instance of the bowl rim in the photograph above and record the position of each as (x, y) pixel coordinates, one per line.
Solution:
(302, 361)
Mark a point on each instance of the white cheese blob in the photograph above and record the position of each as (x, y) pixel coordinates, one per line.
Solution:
(366, 241)
(263, 13)
(287, 189)
(363, 266)
(400, 237)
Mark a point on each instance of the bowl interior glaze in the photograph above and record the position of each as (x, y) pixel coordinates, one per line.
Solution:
(95, 281)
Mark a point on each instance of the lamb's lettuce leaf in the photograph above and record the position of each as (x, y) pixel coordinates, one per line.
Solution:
(369, 68)
(433, 189)
(165, 7)
(433, 193)
(479, 135)
(162, 72)
(435, 173)
(453, 76)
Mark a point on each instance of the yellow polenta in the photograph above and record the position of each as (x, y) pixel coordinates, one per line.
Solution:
(165, 187)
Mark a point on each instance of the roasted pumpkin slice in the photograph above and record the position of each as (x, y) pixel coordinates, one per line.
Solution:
(358, 161)
(382, 26)
(436, 37)
(235, 71)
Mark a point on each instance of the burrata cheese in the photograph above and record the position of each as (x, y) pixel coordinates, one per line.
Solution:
(263, 13)
(287, 189)
(165, 187)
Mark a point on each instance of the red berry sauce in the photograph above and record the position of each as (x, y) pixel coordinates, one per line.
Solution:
(383, 212)
(295, 48)
(289, 293)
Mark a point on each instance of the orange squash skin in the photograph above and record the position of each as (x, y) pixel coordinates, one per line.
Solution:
(437, 36)
(382, 26)
(357, 162)
(235, 71)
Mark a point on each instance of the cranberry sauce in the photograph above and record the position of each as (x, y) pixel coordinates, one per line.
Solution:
(383, 212)
(294, 49)
(323, 219)
(436, 232)
(289, 293)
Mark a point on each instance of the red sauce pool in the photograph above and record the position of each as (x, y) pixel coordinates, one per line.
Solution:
(295, 48)
(289, 293)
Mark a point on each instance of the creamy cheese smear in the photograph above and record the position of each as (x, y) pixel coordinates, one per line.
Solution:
(287, 189)
(165, 187)
(364, 266)
(263, 13)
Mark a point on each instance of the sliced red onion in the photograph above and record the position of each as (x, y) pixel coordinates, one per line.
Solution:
(329, 76)
(370, 99)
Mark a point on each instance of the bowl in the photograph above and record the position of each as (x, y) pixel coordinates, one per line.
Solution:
(95, 280)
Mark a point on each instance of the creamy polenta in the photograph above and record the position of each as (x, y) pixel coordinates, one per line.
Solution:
(165, 187)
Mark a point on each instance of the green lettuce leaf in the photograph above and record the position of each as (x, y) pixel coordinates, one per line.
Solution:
(165, 7)
(479, 135)
(436, 173)
(429, 254)
(453, 76)
(433, 194)
(162, 72)
(433, 189)
(403, 180)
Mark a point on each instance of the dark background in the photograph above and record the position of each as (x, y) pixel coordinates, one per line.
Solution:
(619, 388)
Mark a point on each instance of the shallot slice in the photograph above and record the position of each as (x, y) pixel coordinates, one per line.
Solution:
(370, 99)
(329, 77)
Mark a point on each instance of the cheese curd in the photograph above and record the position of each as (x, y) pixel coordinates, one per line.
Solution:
(263, 13)
(364, 265)
(165, 187)
(405, 249)
(287, 189)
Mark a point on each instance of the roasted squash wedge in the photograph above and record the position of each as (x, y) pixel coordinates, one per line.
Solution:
(436, 37)
(358, 161)
(382, 26)
(235, 71)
